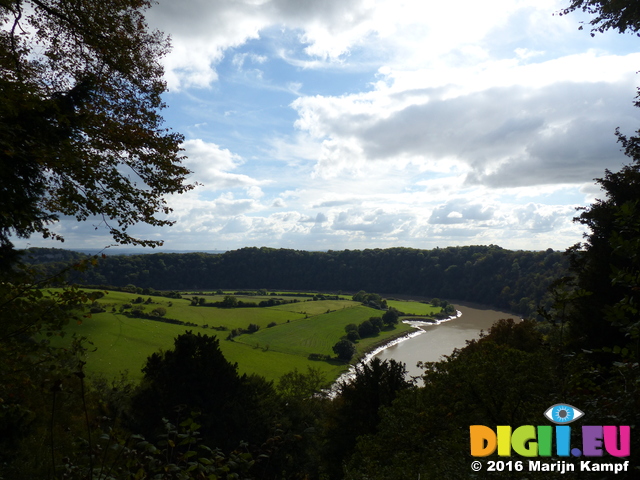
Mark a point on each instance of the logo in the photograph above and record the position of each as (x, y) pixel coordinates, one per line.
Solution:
(539, 441)
(561, 413)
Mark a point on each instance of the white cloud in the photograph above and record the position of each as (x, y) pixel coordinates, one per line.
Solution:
(209, 164)
(555, 130)
(459, 211)
(413, 32)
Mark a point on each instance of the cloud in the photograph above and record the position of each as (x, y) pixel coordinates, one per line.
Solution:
(505, 135)
(202, 31)
(338, 203)
(377, 222)
(324, 33)
(209, 163)
(459, 211)
(538, 218)
(239, 224)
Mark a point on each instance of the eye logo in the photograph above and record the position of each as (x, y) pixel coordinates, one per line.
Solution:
(561, 413)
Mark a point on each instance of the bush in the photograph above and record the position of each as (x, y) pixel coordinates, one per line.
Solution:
(367, 329)
(319, 356)
(353, 336)
(391, 317)
(345, 350)
(351, 327)
(377, 322)
(253, 328)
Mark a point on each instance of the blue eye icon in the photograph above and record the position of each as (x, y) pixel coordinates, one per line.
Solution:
(562, 413)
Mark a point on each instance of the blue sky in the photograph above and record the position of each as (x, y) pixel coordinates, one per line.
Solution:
(373, 123)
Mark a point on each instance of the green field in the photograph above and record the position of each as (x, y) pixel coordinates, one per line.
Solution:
(120, 343)
(414, 308)
(318, 307)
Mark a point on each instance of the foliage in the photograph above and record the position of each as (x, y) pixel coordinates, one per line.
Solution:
(301, 385)
(355, 410)
(620, 15)
(33, 372)
(606, 265)
(368, 329)
(178, 454)
(372, 299)
(195, 375)
(485, 274)
(80, 132)
(345, 350)
(390, 317)
(625, 242)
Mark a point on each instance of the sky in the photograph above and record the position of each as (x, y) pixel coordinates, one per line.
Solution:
(352, 124)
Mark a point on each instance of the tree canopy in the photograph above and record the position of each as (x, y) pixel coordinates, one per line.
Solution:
(620, 15)
(80, 129)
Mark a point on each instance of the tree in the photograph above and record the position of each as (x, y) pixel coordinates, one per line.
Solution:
(195, 376)
(80, 129)
(345, 350)
(377, 322)
(621, 15)
(606, 264)
(390, 317)
(356, 410)
(229, 301)
(367, 329)
(351, 327)
(353, 336)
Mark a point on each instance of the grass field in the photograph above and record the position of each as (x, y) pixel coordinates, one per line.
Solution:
(121, 343)
(318, 307)
(414, 308)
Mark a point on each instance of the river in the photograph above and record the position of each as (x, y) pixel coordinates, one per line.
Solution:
(442, 339)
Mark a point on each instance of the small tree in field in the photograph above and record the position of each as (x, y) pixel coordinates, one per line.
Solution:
(345, 350)
(391, 317)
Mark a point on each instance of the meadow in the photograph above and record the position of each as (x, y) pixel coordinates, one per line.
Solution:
(414, 308)
(288, 333)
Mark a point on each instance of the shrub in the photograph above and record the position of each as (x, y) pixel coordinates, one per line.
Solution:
(159, 312)
(367, 329)
(377, 322)
(353, 336)
(253, 328)
(345, 350)
(391, 317)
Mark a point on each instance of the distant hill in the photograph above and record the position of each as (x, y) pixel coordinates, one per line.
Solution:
(513, 280)
(36, 256)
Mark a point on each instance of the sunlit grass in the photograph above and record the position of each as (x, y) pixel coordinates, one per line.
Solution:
(120, 343)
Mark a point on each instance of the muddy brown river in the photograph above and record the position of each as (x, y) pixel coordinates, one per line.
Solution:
(442, 339)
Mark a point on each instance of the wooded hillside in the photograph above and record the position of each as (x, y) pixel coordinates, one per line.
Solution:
(513, 280)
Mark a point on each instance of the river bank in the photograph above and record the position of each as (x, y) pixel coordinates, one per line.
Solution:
(431, 341)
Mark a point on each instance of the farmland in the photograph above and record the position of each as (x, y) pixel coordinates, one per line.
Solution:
(288, 333)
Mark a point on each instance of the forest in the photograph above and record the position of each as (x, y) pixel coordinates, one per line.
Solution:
(516, 281)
